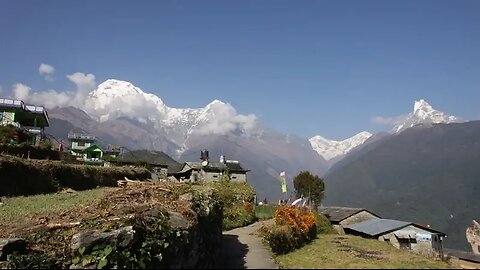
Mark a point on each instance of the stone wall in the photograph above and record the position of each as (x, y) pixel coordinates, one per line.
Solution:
(150, 225)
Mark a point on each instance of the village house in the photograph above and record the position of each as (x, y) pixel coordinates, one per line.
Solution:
(401, 234)
(211, 171)
(83, 147)
(340, 217)
(113, 151)
(31, 118)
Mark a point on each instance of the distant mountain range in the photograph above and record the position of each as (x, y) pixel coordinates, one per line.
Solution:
(119, 113)
(334, 151)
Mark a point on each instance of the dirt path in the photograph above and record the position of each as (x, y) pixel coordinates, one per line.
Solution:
(243, 249)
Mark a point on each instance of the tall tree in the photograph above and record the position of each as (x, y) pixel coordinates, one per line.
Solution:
(308, 185)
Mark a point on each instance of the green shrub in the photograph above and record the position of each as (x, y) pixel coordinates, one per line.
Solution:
(237, 216)
(237, 199)
(323, 224)
(35, 260)
(283, 239)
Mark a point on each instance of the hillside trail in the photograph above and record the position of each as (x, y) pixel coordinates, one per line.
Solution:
(242, 248)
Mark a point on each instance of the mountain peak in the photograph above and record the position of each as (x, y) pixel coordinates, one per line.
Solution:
(330, 149)
(117, 88)
(421, 105)
(424, 113)
(216, 102)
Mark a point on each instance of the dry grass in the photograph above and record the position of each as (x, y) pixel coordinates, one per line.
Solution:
(351, 252)
(17, 209)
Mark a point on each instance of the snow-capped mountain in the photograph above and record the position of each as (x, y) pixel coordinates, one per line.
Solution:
(119, 113)
(114, 98)
(424, 113)
(330, 149)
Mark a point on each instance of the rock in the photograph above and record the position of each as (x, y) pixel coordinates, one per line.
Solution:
(473, 237)
(67, 190)
(123, 237)
(154, 212)
(186, 197)
(177, 220)
(10, 245)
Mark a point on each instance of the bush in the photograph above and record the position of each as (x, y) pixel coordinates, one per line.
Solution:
(237, 199)
(323, 225)
(237, 216)
(293, 228)
(282, 239)
(29, 177)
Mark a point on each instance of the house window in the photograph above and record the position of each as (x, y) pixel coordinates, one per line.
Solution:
(81, 143)
(215, 176)
(234, 177)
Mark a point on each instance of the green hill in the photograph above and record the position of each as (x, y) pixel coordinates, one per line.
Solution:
(428, 174)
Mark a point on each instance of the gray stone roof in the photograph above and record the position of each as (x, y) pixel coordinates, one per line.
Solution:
(337, 214)
(216, 166)
(212, 166)
(235, 167)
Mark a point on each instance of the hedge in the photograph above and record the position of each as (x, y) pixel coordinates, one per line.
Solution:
(28, 177)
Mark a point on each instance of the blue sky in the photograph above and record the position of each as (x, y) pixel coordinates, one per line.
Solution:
(302, 67)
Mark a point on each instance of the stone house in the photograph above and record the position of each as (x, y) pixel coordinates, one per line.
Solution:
(401, 234)
(212, 171)
(340, 217)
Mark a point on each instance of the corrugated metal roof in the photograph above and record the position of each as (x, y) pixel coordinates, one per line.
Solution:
(337, 214)
(375, 227)
(464, 255)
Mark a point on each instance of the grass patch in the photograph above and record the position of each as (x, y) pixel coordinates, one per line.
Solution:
(346, 251)
(264, 212)
(17, 208)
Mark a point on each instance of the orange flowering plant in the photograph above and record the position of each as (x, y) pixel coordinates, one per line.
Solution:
(292, 229)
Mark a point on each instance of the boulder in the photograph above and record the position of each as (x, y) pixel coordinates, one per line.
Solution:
(473, 237)
(123, 237)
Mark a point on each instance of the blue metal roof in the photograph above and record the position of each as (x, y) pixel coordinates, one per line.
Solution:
(378, 226)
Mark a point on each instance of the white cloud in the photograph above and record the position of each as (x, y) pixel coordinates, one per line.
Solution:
(51, 98)
(21, 91)
(388, 120)
(225, 119)
(85, 83)
(46, 70)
